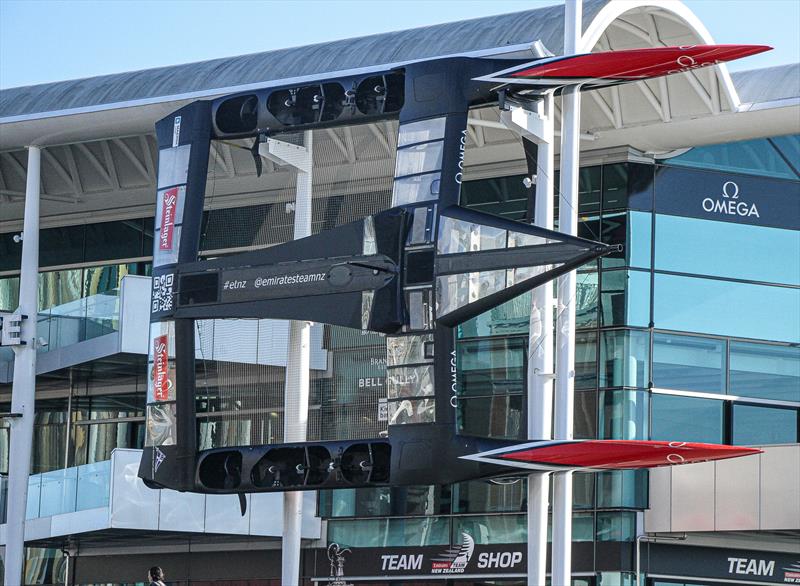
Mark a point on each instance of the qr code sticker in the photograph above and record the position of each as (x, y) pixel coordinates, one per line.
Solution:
(162, 298)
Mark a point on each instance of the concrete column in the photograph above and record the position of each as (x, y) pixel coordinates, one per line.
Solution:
(295, 420)
(24, 385)
(565, 326)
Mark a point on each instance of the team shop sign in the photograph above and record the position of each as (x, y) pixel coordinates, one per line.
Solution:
(442, 561)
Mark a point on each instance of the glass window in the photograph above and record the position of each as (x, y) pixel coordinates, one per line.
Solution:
(628, 185)
(589, 189)
(422, 158)
(412, 411)
(61, 246)
(489, 529)
(384, 501)
(688, 363)
(765, 371)
(582, 527)
(585, 415)
(499, 416)
(491, 366)
(616, 526)
(407, 349)
(586, 295)
(686, 419)
(416, 188)
(755, 425)
(622, 488)
(726, 249)
(10, 252)
(421, 131)
(615, 186)
(487, 497)
(757, 157)
(624, 358)
(9, 293)
(582, 490)
(623, 415)
(502, 196)
(633, 231)
(512, 317)
(409, 381)
(99, 440)
(789, 146)
(586, 360)
(108, 240)
(625, 298)
(395, 532)
(726, 308)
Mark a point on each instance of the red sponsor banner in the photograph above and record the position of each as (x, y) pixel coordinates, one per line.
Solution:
(169, 206)
(161, 382)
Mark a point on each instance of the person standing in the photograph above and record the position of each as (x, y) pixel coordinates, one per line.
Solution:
(156, 576)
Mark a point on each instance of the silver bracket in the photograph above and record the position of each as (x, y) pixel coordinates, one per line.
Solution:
(11, 328)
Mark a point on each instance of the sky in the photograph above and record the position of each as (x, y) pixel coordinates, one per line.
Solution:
(43, 40)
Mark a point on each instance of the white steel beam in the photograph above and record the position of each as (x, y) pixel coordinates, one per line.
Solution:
(565, 326)
(23, 390)
(538, 127)
(298, 360)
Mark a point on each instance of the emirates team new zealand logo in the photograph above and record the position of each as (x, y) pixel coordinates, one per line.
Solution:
(455, 560)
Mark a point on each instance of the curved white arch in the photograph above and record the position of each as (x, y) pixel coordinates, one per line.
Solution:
(616, 8)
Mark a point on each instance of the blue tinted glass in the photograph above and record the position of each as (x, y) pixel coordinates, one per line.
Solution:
(486, 529)
(623, 415)
(686, 419)
(624, 358)
(586, 292)
(725, 249)
(626, 298)
(622, 488)
(789, 146)
(765, 371)
(628, 185)
(757, 157)
(730, 309)
(586, 360)
(511, 317)
(632, 230)
(616, 526)
(688, 363)
(763, 425)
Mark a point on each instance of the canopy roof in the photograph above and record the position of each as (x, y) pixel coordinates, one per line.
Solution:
(97, 133)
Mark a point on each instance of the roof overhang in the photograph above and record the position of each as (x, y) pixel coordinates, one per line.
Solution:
(100, 159)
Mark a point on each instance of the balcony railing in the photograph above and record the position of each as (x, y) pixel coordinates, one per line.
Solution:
(110, 495)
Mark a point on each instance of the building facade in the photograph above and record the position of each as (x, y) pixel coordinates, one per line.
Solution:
(692, 333)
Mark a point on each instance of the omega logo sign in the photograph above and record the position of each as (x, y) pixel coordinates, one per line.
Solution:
(461, 146)
(729, 203)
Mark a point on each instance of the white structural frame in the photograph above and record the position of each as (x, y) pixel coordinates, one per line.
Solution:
(298, 359)
(538, 127)
(23, 390)
(565, 325)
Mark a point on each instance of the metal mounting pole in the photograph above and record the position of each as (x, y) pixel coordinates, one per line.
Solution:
(538, 127)
(298, 360)
(23, 390)
(565, 326)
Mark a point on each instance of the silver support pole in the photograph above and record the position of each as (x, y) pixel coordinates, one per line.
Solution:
(565, 327)
(540, 359)
(23, 390)
(296, 391)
